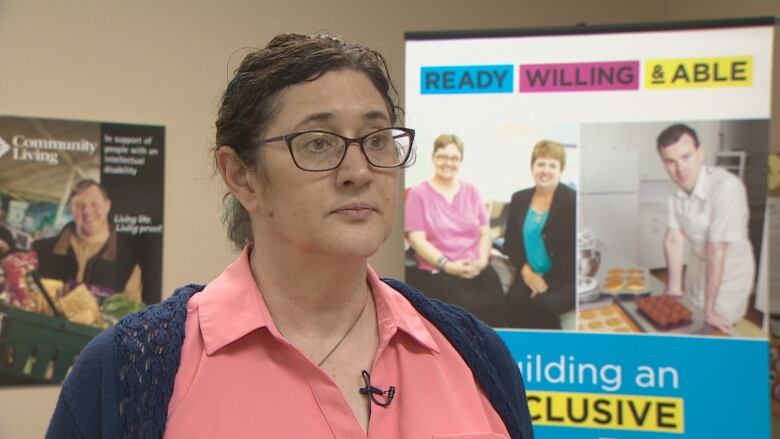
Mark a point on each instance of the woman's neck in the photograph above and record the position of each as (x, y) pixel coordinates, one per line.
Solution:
(324, 308)
(545, 192)
(315, 298)
(444, 183)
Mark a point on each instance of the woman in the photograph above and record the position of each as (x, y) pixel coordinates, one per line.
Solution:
(540, 242)
(299, 337)
(447, 226)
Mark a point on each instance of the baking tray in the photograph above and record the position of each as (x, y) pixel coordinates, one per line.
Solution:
(610, 318)
(626, 293)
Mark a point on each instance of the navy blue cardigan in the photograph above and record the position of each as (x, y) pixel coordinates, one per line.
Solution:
(123, 380)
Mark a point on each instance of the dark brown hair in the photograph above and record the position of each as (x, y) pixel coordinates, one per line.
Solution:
(672, 134)
(85, 184)
(251, 99)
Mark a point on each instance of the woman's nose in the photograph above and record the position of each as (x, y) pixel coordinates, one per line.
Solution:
(355, 168)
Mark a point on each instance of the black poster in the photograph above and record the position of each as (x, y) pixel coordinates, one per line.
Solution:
(81, 224)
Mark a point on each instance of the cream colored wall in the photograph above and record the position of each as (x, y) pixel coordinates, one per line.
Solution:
(165, 63)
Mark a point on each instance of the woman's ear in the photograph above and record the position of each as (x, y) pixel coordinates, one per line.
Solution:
(240, 181)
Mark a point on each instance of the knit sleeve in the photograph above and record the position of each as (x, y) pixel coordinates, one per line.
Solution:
(84, 407)
(62, 424)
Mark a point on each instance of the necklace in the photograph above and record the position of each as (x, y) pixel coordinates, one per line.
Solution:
(351, 327)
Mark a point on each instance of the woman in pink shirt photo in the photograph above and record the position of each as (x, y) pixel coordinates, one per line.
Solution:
(447, 226)
(299, 336)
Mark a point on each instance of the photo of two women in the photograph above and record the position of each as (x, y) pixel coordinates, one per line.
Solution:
(507, 256)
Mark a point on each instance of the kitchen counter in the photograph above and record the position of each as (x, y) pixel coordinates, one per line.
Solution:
(611, 259)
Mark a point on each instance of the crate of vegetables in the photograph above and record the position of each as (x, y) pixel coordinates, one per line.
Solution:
(45, 323)
(39, 348)
(36, 348)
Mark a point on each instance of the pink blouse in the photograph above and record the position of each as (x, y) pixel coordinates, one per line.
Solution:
(453, 228)
(239, 377)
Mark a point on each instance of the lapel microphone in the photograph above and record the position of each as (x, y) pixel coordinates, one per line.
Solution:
(380, 397)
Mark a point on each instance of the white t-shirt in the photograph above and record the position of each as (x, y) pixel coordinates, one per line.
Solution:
(716, 211)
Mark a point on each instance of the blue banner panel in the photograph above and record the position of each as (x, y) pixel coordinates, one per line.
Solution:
(599, 386)
(467, 79)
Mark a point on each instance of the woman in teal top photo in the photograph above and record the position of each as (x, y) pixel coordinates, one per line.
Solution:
(540, 242)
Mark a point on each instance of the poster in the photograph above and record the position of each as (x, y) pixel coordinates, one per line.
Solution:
(81, 224)
(652, 128)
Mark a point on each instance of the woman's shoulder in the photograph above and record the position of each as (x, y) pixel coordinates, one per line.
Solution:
(134, 331)
(420, 190)
(465, 185)
(522, 194)
(169, 314)
(117, 364)
(566, 192)
(456, 323)
(469, 191)
(421, 186)
(565, 188)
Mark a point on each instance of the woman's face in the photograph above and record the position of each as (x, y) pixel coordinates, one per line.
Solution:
(546, 172)
(345, 212)
(446, 161)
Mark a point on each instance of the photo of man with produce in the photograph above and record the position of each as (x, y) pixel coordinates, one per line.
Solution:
(79, 249)
(88, 250)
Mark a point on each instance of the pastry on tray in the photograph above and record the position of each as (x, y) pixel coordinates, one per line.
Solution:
(595, 324)
(614, 284)
(622, 281)
(610, 318)
(636, 284)
(664, 311)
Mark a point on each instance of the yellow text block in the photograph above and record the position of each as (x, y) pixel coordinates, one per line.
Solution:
(597, 410)
(727, 71)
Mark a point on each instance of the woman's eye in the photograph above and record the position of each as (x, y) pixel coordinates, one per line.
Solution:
(318, 144)
(376, 142)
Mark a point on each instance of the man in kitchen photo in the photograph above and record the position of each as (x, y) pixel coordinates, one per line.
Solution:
(707, 212)
(89, 250)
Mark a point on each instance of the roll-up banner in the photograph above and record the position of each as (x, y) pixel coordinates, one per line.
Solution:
(599, 196)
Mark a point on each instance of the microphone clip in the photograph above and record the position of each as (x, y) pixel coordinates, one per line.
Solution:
(376, 393)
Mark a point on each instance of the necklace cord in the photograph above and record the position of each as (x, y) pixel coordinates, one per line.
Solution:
(351, 327)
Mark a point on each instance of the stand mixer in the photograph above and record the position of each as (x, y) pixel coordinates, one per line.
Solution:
(588, 260)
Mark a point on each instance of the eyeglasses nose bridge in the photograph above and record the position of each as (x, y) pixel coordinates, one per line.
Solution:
(357, 142)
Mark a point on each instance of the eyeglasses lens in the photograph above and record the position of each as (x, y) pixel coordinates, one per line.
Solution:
(316, 150)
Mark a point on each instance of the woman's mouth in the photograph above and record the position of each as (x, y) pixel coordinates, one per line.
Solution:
(355, 211)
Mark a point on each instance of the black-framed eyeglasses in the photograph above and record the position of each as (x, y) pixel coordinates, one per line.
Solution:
(323, 151)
